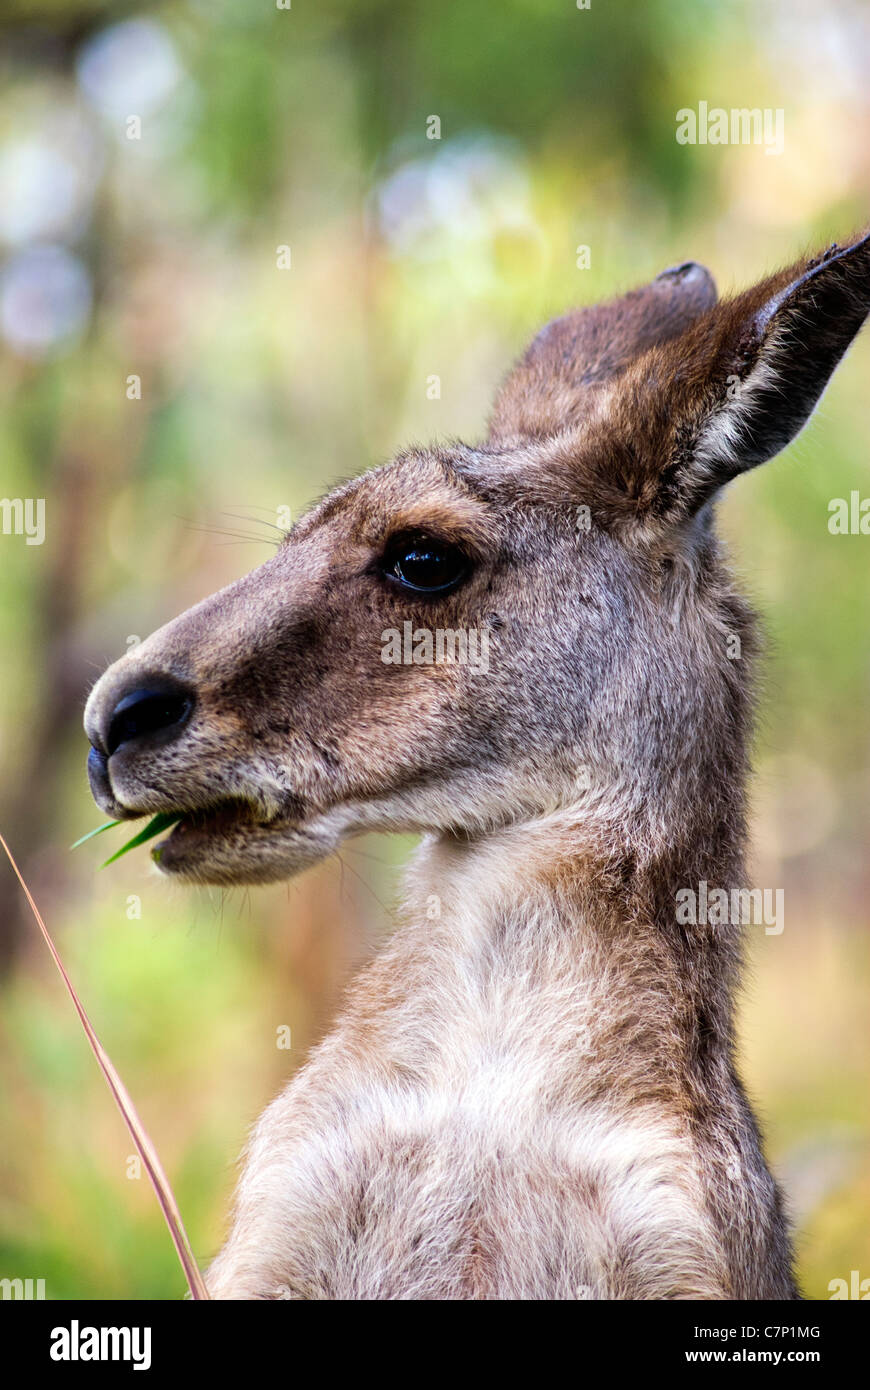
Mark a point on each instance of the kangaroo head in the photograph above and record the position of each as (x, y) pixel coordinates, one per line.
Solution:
(474, 636)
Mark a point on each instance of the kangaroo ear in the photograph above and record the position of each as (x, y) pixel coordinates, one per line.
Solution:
(745, 378)
(550, 387)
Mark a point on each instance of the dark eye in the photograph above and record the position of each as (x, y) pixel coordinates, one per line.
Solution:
(425, 565)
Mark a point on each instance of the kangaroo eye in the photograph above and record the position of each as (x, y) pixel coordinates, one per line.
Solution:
(425, 565)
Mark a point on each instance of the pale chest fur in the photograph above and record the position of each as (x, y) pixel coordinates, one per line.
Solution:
(460, 1136)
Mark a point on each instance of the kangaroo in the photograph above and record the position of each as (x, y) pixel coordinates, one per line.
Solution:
(531, 1092)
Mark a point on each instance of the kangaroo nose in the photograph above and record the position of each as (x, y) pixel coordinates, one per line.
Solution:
(148, 710)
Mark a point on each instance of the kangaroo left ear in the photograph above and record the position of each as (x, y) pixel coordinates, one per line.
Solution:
(749, 373)
(554, 384)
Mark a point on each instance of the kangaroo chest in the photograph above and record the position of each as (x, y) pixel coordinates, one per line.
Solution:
(502, 1121)
(481, 1183)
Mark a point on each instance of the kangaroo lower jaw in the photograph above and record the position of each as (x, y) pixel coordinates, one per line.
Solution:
(233, 843)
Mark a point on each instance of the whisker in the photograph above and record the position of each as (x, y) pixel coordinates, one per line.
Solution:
(365, 885)
(257, 520)
(366, 854)
(225, 531)
(252, 506)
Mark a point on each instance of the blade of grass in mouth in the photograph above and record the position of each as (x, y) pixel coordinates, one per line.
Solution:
(162, 821)
(83, 839)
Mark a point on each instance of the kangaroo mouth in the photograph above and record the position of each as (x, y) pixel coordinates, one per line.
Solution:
(187, 838)
(226, 818)
(234, 842)
(232, 820)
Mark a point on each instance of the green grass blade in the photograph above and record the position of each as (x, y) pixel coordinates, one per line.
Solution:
(162, 821)
(107, 825)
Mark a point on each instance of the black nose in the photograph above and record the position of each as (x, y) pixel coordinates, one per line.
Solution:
(149, 710)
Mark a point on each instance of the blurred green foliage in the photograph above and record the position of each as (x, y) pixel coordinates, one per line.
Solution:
(260, 387)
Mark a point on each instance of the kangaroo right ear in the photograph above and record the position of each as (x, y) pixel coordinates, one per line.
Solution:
(746, 377)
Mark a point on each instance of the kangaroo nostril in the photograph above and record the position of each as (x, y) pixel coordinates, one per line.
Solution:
(146, 711)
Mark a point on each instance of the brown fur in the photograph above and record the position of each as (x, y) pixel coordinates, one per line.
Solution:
(532, 1090)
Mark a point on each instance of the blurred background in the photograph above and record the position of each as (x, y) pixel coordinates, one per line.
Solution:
(248, 251)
